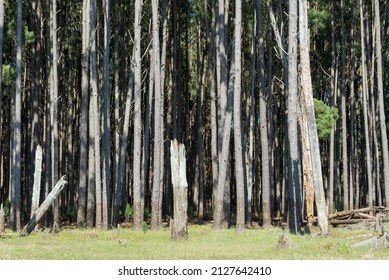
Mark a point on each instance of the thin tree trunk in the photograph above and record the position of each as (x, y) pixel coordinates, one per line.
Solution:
(158, 122)
(239, 146)
(137, 184)
(106, 119)
(15, 215)
(381, 105)
(83, 178)
(266, 191)
(365, 107)
(1, 92)
(95, 108)
(346, 204)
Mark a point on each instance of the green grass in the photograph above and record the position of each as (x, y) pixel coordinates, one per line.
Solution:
(203, 243)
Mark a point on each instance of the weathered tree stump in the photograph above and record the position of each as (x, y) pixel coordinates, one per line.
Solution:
(178, 225)
(44, 207)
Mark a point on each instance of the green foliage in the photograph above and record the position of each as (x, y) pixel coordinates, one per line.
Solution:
(126, 211)
(319, 19)
(7, 208)
(29, 36)
(71, 214)
(326, 117)
(8, 74)
(145, 226)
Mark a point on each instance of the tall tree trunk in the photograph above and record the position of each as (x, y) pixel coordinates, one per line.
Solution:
(381, 105)
(365, 107)
(266, 191)
(158, 123)
(54, 107)
(352, 108)
(239, 146)
(95, 108)
(15, 215)
(106, 119)
(344, 112)
(294, 180)
(1, 94)
(137, 184)
(83, 178)
(311, 119)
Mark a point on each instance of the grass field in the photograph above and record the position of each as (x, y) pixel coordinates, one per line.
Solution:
(203, 243)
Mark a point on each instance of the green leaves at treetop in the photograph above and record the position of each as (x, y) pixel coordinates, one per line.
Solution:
(326, 117)
(8, 74)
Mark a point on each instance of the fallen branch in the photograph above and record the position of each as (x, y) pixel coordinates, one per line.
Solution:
(352, 213)
(44, 207)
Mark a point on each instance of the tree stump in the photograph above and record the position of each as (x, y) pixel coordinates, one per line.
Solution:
(178, 225)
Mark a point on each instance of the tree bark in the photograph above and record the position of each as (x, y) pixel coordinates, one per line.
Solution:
(266, 188)
(83, 178)
(239, 146)
(137, 184)
(381, 104)
(178, 225)
(106, 119)
(15, 215)
(306, 82)
(158, 123)
(294, 181)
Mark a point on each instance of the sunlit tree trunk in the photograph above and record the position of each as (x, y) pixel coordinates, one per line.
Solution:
(137, 184)
(158, 123)
(239, 146)
(106, 119)
(381, 104)
(306, 82)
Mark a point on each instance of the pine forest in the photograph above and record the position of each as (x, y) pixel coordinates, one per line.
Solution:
(281, 106)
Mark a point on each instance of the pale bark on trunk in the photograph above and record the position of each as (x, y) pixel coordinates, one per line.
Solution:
(306, 82)
(266, 189)
(346, 204)
(294, 180)
(381, 105)
(239, 146)
(95, 116)
(54, 107)
(158, 123)
(137, 184)
(106, 119)
(83, 178)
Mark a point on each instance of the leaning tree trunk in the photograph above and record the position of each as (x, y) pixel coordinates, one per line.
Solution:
(44, 206)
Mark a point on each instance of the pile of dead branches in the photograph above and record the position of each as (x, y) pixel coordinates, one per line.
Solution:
(358, 215)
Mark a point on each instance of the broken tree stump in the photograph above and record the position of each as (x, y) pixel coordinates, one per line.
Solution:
(44, 207)
(178, 225)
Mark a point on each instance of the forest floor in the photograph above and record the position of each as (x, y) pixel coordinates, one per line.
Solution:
(202, 243)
